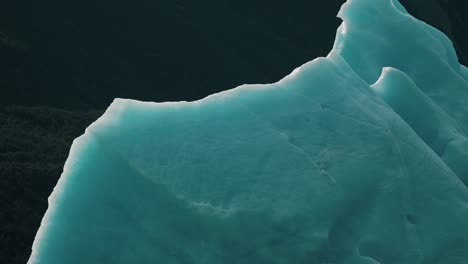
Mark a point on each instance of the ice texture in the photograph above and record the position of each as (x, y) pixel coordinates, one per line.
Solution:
(359, 157)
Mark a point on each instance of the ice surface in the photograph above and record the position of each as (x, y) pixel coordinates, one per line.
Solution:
(359, 157)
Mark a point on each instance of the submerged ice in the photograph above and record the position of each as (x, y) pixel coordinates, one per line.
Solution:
(359, 157)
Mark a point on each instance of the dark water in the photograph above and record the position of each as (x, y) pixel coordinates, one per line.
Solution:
(85, 53)
(80, 55)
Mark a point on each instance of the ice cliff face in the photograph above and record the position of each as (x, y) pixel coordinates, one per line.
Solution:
(359, 157)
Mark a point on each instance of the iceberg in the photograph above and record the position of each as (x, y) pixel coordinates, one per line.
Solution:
(358, 157)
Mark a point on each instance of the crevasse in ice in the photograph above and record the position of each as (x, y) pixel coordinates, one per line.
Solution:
(359, 157)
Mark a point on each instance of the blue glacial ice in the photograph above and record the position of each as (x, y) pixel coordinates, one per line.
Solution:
(359, 157)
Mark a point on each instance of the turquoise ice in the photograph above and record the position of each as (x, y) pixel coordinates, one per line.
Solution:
(359, 157)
